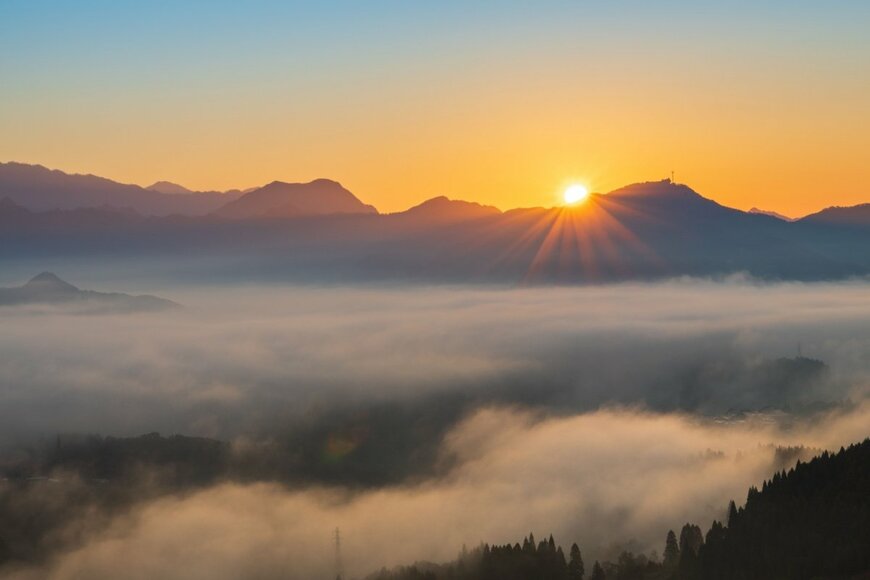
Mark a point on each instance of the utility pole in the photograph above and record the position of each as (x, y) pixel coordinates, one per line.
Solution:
(338, 566)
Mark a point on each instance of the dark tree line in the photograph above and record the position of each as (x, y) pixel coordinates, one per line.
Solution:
(811, 522)
(526, 561)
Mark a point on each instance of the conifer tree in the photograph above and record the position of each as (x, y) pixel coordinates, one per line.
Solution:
(597, 572)
(576, 570)
(671, 556)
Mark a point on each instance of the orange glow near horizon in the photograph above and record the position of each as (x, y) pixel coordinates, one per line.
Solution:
(497, 114)
(517, 152)
(523, 169)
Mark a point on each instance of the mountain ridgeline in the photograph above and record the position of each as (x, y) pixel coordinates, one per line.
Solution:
(282, 200)
(48, 289)
(320, 232)
(40, 189)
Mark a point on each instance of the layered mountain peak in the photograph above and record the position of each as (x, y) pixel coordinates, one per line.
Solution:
(169, 188)
(664, 189)
(39, 189)
(442, 208)
(281, 199)
(48, 281)
(322, 181)
(8, 205)
(773, 214)
(49, 288)
(663, 200)
(856, 215)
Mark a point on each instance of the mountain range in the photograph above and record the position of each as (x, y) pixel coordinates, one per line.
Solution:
(784, 218)
(40, 189)
(320, 231)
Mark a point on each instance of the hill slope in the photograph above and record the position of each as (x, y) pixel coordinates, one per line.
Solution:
(856, 215)
(40, 189)
(810, 522)
(441, 209)
(47, 288)
(281, 200)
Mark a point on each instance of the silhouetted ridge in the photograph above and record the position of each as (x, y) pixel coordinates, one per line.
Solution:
(772, 214)
(665, 189)
(169, 188)
(48, 288)
(443, 208)
(50, 281)
(641, 231)
(856, 215)
(663, 201)
(9, 207)
(40, 189)
(280, 199)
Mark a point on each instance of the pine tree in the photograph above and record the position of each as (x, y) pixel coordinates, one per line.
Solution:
(671, 557)
(531, 547)
(597, 572)
(576, 571)
(691, 540)
(561, 564)
(732, 514)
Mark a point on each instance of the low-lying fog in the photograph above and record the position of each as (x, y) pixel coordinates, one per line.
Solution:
(605, 415)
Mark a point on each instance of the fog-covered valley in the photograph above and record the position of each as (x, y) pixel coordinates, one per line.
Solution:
(415, 418)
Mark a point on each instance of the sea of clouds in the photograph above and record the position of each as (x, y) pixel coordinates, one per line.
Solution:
(605, 414)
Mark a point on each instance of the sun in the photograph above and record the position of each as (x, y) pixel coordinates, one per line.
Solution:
(575, 194)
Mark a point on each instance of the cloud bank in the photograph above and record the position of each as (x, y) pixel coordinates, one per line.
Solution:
(420, 419)
(240, 359)
(603, 479)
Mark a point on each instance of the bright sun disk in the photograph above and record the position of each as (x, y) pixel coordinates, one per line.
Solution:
(575, 194)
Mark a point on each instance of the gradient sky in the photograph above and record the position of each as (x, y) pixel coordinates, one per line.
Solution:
(499, 102)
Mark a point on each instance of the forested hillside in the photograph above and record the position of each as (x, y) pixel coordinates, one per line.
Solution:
(811, 522)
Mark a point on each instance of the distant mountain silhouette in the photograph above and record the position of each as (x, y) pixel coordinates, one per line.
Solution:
(784, 218)
(46, 284)
(659, 190)
(856, 215)
(169, 188)
(279, 199)
(48, 288)
(41, 189)
(15, 219)
(319, 231)
(440, 209)
(9, 208)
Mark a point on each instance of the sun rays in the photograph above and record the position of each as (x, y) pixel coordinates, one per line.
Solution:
(587, 241)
